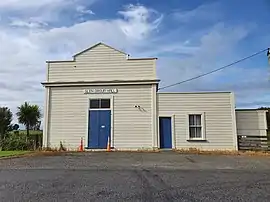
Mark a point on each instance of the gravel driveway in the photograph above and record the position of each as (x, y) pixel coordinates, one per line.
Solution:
(165, 176)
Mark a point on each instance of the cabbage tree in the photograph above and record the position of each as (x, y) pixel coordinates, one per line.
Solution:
(28, 115)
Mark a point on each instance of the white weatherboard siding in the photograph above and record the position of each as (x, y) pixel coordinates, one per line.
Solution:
(251, 122)
(218, 110)
(103, 67)
(102, 63)
(68, 116)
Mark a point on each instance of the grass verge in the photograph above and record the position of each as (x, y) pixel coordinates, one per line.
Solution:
(12, 153)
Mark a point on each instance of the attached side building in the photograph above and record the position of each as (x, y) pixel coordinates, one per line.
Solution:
(204, 121)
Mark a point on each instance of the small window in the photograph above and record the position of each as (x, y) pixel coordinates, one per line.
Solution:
(105, 103)
(94, 104)
(195, 126)
(100, 103)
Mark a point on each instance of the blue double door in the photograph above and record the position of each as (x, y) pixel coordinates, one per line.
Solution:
(99, 128)
(165, 132)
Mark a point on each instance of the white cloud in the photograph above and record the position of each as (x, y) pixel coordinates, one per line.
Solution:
(22, 4)
(83, 10)
(139, 21)
(28, 5)
(32, 13)
(213, 50)
(205, 12)
(31, 23)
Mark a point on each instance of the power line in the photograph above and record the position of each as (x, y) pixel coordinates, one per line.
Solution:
(215, 70)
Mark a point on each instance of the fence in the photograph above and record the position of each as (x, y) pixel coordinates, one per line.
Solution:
(36, 142)
(253, 143)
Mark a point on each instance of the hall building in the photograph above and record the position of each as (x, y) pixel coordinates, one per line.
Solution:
(104, 96)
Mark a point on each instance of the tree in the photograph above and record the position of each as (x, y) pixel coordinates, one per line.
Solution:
(5, 121)
(37, 126)
(28, 115)
(15, 127)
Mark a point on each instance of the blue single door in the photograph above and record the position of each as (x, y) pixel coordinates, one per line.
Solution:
(93, 129)
(165, 132)
(99, 128)
(105, 128)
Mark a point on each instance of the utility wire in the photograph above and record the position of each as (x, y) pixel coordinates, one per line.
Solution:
(215, 70)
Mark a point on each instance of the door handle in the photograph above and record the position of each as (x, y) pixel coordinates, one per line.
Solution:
(102, 126)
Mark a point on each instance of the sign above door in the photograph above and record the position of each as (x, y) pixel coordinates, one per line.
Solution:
(101, 91)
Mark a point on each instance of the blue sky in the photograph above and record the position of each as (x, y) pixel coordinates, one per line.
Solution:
(188, 37)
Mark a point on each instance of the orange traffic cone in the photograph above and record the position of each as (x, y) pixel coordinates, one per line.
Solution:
(81, 146)
(108, 145)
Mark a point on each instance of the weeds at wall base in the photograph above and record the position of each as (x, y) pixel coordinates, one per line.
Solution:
(222, 152)
(58, 151)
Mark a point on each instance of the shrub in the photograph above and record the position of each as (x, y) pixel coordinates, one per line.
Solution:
(16, 142)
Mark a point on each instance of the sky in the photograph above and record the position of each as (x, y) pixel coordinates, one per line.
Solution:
(188, 37)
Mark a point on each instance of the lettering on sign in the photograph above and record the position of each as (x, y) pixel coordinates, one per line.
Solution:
(100, 91)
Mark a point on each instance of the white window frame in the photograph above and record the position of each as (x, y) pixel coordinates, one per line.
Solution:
(93, 109)
(202, 125)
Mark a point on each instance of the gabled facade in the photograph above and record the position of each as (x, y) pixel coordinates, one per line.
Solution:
(94, 97)
(103, 96)
(101, 63)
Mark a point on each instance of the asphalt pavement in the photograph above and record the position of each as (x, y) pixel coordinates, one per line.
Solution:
(126, 176)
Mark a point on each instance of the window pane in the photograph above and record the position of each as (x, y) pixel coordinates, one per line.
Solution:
(195, 120)
(192, 132)
(198, 120)
(191, 120)
(105, 103)
(94, 104)
(198, 132)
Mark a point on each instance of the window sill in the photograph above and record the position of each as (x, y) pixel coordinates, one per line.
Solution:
(196, 140)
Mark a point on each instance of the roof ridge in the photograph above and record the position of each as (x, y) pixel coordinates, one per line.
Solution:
(95, 45)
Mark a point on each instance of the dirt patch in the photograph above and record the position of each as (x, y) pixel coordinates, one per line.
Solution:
(188, 151)
(223, 152)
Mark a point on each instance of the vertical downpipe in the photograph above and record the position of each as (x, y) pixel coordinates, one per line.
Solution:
(154, 117)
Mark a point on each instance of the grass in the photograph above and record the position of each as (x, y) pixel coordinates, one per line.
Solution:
(12, 153)
(31, 132)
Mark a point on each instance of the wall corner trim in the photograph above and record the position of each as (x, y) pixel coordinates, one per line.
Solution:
(234, 129)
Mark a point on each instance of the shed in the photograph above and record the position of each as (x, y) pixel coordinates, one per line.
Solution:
(251, 122)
